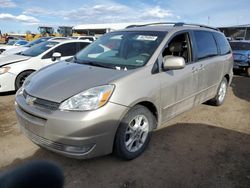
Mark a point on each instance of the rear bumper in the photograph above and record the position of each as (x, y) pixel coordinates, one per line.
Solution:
(73, 134)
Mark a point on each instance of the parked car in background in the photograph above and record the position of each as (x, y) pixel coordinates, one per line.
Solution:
(241, 54)
(15, 68)
(12, 44)
(111, 99)
(91, 38)
(60, 38)
(19, 49)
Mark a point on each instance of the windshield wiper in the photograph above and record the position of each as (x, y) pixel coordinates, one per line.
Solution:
(97, 64)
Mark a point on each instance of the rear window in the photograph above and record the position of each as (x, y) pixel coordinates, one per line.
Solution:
(206, 45)
(240, 45)
(222, 43)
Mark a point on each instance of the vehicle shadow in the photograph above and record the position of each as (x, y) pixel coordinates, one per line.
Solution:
(181, 155)
(241, 87)
(7, 93)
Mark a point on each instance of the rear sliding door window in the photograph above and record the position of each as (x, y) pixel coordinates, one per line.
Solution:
(222, 43)
(206, 45)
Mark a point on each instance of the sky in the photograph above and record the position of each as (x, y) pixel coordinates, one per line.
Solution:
(20, 16)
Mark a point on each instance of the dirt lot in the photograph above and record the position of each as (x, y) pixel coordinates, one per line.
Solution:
(205, 147)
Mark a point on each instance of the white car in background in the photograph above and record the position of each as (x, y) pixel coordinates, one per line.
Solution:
(14, 69)
(86, 37)
(19, 49)
(13, 44)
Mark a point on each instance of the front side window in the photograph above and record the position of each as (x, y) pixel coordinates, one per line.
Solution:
(68, 49)
(121, 49)
(206, 45)
(179, 46)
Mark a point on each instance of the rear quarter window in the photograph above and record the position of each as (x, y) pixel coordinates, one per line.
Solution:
(223, 44)
(206, 45)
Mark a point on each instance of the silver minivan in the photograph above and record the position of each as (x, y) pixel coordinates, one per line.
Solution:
(114, 93)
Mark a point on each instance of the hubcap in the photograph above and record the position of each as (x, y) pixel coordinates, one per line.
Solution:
(222, 91)
(22, 80)
(136, 133)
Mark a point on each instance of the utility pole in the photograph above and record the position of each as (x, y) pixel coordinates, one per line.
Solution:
(208, 20)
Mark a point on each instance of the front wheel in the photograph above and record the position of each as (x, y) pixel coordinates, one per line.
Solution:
(21, 78)
(134, 133)
(221, 93)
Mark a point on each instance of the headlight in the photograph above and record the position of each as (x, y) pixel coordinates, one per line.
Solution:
(20, 91)
(90, 99)
(4, 70)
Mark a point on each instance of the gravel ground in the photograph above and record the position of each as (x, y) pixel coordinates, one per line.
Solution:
(204, 147)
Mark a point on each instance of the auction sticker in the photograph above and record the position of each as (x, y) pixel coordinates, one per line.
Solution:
(146, 37)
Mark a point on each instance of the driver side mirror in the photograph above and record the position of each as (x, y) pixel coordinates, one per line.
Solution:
(173, 63)
(56, 56)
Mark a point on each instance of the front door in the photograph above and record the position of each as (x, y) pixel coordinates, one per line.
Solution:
(178, 87)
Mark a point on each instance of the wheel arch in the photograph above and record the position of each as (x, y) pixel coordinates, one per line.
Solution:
(227, 77)
(152, 108)
(21, 73)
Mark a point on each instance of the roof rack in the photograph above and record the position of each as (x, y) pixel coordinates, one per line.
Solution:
(175, 24)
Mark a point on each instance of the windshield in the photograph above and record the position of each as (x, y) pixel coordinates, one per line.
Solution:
(121, 49)
(37, 41)
(39, 48)
(21, 42)
(240, 45)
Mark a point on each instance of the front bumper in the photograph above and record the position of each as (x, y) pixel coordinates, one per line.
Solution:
(7, 82)
(241, 65)
(73, 134)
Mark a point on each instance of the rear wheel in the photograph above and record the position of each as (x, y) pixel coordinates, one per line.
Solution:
(21, 78)
(221, 93)
(134, 133)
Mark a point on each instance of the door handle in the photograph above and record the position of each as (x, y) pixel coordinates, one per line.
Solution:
(201, 68)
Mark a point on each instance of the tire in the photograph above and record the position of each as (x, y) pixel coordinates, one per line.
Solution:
(21, 78)
(248, 71)
(134, 133)
(219, 99)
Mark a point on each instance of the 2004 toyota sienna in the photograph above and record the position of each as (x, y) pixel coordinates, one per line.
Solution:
(114, 93)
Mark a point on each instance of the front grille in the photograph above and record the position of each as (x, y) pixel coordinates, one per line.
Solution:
(50, 105)
(46, 104)
(43, 141)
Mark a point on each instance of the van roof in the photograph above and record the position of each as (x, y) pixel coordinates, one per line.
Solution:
(169, 26)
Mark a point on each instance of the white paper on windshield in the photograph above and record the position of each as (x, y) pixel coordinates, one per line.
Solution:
(146, 37)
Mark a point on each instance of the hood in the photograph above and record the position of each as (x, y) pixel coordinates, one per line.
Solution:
(7, 47)
(6, 60)
(63, 80)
